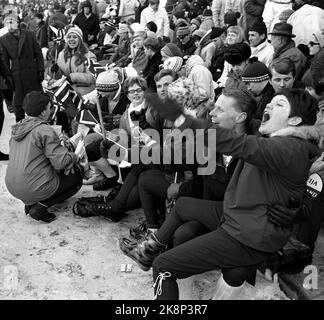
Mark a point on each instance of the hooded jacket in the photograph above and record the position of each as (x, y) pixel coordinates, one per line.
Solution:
(36, 155)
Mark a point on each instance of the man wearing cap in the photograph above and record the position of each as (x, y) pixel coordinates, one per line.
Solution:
(35, 173)
(185, 42)
(24, 58)
(256, 77)
(260, 46)
(88, 23)
(155, 12)
(285, 47)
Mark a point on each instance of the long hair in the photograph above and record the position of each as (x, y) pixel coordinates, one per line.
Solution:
(79, 53)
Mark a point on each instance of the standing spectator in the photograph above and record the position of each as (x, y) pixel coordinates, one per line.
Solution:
(23, 56)
(154, 12)
(152, 50)
(94, 6)
(139, 62)
(260, 46)
(88, 23)
(272, 11)
(142, 5)
(41, 31)
(218, 13)
(102, 6)
(253, 11)
(207, 20)
(58, 15)
(127, 9)
(30, 20)
(285, 47)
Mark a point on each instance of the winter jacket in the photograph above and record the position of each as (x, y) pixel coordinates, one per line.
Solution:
(263, 99)
(89, 26)
(264, 51)
(305, 21)
(188, 49)
(217, 64)
(25, 59)
(151, 69)
(41, 35)
(290, 51)
(272, 11)
(140, 61)
(160, 17)
(82, 80)
(127, 9)
(253, 11)
(270, 171)
(122, 51)
(206, 49)
(36, 156)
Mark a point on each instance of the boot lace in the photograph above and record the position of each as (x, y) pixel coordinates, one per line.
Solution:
(158, 283)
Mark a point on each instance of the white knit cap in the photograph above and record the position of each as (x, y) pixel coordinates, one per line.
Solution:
(173, 63)
(76, 30)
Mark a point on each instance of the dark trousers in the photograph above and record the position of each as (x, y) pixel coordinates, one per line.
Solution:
(69, 186)
(213, 250)
(19, 113)
(152, 188)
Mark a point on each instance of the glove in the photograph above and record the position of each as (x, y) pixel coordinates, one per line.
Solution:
(10, 83)
(168, 109)
(283, 216)
(41, 76)
(54, 68)
(140, 118)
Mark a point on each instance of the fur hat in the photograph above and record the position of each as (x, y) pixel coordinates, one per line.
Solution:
(216, 32)
(259, 27)
(12, 17)
(86, 4)
(107, 81)
(237, 53)
(35, 103)
(256, 71)
(76, 30)
(185, 92)
(173, 63)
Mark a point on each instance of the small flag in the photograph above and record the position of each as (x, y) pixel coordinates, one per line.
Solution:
(95, 67)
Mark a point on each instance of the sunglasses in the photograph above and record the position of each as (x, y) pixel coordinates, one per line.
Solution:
(312, 43)
(139, 90)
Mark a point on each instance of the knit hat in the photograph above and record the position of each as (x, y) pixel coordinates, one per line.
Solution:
(230, 18)
(107, 81)
(171, 50)
(256, 71)
(207, 13)
(76, 30)
(183, 31)
(35, 103)
(173, 63)
(284, 15)
(195, 22)
(11, 17)
(198, 34)
(185, 92)
(259, 27)
(237, 53)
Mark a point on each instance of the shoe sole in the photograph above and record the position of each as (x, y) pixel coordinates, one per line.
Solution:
(125, 250)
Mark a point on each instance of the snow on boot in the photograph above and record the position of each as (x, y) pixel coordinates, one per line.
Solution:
(226, 292)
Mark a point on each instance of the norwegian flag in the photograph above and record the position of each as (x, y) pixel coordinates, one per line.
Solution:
(87, 118)
(95, 67)
(69, 99)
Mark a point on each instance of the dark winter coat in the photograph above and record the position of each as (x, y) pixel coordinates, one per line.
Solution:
(188, 49)
(41, 35)
(264, 98)
(253, 10)
(26, 62)
(152, 69)
(89, 26)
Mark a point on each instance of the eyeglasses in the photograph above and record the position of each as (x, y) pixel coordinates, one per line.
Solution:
(182, 37)
(139, 90)
(312, 43)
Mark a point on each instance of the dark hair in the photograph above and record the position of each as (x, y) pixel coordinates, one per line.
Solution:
(244, 101)
(165, 72)
(141, 82)
(302, 105)
(153, 44)
(283, 66)
(151, 26)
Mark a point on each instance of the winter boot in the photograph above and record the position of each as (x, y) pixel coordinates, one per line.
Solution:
(226, 292)
(39, 212)
(143, 253)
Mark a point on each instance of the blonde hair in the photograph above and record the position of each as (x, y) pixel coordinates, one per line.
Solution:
(238, 31)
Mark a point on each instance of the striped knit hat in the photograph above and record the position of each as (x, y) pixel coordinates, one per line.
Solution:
(107, 81)
(171, 50)
(173, 63)
(183, 31)
(256, 71)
